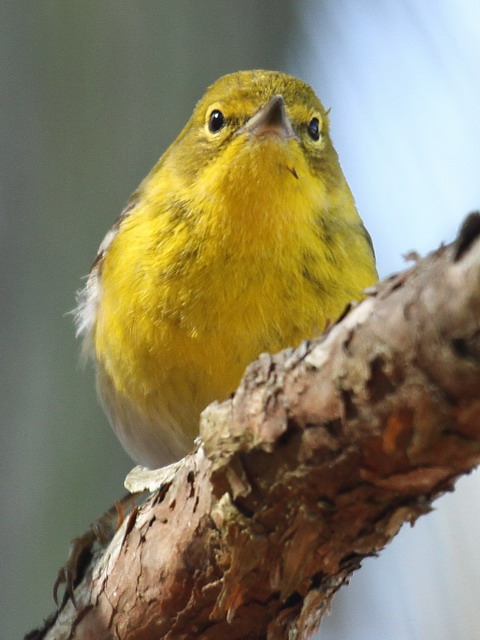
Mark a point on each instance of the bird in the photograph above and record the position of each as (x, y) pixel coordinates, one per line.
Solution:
(244, 238)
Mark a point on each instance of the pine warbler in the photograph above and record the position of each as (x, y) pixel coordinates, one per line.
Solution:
(244, 238)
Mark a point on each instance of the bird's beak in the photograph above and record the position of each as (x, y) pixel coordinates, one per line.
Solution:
(270, 120)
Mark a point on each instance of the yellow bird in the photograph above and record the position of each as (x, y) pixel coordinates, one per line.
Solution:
(244, 238)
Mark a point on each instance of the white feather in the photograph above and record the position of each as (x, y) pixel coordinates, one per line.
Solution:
(88, 298)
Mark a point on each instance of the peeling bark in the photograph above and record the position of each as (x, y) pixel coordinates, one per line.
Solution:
(315, 463)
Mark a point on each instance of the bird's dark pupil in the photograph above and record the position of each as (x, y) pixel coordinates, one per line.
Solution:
(216, 121)
(313, 129)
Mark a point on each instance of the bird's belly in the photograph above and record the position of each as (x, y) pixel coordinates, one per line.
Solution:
(156, 415)
(155, 395)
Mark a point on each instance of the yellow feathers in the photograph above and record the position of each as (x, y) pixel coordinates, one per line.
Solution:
(244, 238)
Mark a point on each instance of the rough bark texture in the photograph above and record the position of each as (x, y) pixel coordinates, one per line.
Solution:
(316, 461)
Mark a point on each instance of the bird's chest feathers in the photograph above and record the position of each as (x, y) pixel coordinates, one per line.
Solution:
(237, 275)
(244, 279)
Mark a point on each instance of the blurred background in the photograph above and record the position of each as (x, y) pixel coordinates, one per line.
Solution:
(91, 94)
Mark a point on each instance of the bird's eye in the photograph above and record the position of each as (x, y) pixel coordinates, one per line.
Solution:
(313, 129)
(216, 121)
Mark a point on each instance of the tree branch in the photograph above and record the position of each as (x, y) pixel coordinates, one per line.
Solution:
(316, 461)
